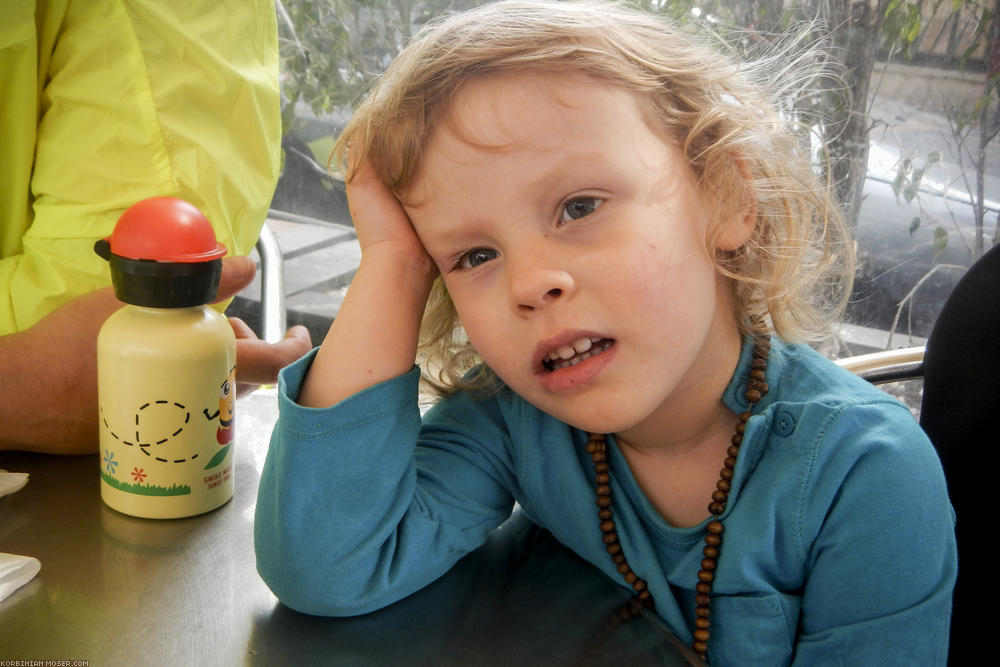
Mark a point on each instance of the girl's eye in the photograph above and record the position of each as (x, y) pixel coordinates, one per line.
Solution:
(475, 257)
(579, 208)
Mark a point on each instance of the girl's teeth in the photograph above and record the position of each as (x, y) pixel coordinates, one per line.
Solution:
(571, 355)
(569, 351)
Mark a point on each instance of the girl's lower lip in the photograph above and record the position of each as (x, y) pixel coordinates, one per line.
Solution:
(572, 377)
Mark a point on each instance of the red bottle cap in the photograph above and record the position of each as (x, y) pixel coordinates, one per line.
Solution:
(165, 229)
(163, 254)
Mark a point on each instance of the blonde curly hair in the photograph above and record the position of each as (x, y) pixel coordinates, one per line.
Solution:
(795, 272)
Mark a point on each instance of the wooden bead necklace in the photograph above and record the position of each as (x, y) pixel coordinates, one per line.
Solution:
(756, 389)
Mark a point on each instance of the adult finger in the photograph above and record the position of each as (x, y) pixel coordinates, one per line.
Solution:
(237, 272)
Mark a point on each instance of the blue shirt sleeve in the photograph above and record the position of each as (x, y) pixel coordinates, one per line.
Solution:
(360, 506)
(882, 556)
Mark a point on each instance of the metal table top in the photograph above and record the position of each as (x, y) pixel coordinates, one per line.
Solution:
(117, 590)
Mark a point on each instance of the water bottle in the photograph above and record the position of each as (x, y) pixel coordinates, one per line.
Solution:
(166, 366)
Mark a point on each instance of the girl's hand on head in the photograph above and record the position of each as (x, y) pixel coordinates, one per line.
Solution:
(374, 336)
(381, 223)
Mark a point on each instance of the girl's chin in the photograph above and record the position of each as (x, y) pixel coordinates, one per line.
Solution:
(591, 419)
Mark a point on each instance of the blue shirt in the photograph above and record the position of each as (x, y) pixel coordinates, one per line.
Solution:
(839, 543)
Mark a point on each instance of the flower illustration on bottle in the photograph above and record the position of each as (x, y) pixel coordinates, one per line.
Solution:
(139, 475)
(109, 461)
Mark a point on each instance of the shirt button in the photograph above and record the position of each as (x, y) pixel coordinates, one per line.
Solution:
(784, 423)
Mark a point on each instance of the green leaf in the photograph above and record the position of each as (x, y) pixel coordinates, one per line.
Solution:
(914, 225)
(940, 240)
(218, 458)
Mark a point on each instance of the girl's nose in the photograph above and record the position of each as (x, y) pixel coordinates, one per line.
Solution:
(534, 288)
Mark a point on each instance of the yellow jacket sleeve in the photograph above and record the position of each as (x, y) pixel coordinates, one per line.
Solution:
(108, 102)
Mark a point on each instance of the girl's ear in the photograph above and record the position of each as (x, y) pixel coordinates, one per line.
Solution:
(739, 224)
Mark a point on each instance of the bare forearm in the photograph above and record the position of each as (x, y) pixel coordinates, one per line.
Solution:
(48, 400)
(374, 336)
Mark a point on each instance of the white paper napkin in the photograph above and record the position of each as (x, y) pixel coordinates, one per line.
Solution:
(15, 571)
(11, 481)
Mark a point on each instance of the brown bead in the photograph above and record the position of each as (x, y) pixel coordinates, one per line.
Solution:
(624, 569)
(758, 363)
(702, 623)
(710, 552)
(591, 447)
(701, 648)
(610, 538)
(603, 501)
(752, 395)
(601, 467)
(758, 374)
(702, 601)
(701, 635)
(599, 456)
(706, 576)
(704, 587)
(715, 527)
(604, 514)
(613, 548)
(745, 417)
(618, 558)
(639, 585)
(602, 478)
(720, 496)
(713, 540)
(607, 526)
(708, 564)
(733, 450)
(630, 577)
(646, 598)
(730, 462)
(737, 439)
(740, 427)
(716, 509)
(603, 490)
(726, 474)
(723, 485)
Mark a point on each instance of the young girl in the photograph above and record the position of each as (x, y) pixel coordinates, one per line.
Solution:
(616, 219)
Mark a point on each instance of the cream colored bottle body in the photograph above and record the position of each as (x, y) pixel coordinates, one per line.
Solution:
(167, 395)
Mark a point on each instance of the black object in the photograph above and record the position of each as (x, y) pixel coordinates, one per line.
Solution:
(158, 284)
(959, 412)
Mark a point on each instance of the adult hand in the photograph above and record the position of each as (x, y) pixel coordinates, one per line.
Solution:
(258, 362)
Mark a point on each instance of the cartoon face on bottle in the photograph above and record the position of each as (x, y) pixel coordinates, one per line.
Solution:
(227, 409)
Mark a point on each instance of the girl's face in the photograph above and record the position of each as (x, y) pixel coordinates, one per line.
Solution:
(571, 239)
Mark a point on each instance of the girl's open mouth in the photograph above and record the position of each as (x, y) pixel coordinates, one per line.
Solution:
(580, 350)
